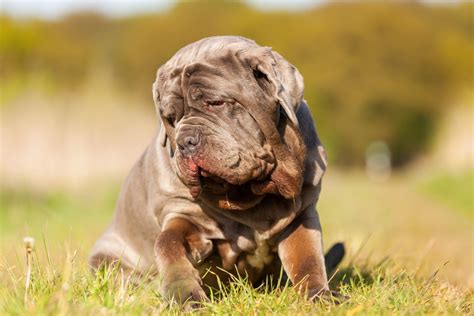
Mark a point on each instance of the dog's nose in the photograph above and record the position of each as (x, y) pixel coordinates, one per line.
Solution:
(188, 144)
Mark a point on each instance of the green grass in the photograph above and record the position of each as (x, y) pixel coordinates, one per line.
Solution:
(407, 254)
(373, 289)
(455, 190)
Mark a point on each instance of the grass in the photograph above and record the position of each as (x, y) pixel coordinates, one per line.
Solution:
(407, 254)
(455, 190)
(375, 289)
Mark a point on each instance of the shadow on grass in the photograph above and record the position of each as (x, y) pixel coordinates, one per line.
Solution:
(352, 275)
(357, 274)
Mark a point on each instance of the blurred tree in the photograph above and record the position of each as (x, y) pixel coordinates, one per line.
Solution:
(373, 71)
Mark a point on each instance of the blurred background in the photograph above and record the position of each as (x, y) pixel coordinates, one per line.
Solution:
(390, 86)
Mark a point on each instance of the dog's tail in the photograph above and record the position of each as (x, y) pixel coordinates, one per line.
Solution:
(334, 256)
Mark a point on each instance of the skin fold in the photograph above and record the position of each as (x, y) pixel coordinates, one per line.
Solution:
(229, 182)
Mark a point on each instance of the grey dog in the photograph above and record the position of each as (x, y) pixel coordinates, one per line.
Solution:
(230, 181)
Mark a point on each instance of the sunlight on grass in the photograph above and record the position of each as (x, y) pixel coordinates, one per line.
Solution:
(67, 288)
(455, 190)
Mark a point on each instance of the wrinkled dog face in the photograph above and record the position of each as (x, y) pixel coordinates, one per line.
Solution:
(230, 119)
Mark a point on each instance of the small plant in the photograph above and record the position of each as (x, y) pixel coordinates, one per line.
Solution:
(29, 247)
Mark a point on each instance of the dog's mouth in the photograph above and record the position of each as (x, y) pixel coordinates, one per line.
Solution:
(230, 196)
(220, 192)
(226, 195)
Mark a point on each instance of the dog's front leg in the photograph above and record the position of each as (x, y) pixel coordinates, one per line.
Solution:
(301, 253)
(180, 280)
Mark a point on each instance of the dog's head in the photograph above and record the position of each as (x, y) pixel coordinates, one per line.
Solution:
(229, 111)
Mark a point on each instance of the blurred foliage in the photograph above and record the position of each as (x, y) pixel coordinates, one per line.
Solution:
(373, 71)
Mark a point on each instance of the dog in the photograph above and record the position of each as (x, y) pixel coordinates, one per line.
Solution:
(230, 182)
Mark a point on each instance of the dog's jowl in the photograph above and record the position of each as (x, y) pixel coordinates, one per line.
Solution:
(230, 181)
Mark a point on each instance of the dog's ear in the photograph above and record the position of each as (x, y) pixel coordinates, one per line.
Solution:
(283, 85)
(316, 160)
(162, 136)
(168, 99)
(277, 77)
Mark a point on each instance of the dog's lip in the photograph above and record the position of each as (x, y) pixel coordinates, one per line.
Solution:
(204, 173)
(193, 179)
(227, 195)
(206, 185)
(213, 183)
(233, 198)
(206, 177)
(207, 174)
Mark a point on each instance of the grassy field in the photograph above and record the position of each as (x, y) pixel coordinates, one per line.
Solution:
(410, 251)
(453, 190)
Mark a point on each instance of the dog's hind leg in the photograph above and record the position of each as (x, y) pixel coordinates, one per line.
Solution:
(110, 250)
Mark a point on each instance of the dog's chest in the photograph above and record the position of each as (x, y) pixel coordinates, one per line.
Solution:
(246, 252)
(262, 253)
(245, 242)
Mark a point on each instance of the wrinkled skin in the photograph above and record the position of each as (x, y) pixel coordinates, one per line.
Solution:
(231, 179)
(237, 124)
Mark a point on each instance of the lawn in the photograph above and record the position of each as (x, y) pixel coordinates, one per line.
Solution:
(454, 190)
(409, 252)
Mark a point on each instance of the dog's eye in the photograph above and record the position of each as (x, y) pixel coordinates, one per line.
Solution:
(215, 103)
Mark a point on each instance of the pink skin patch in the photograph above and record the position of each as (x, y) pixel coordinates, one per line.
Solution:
(192, 165)
(195, 191)
(193, 177)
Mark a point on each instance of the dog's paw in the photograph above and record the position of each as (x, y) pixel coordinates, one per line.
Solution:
(327, 296)
(185, 291)
(181, 283)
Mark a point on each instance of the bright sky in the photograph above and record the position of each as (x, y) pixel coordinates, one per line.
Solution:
(51, 9)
